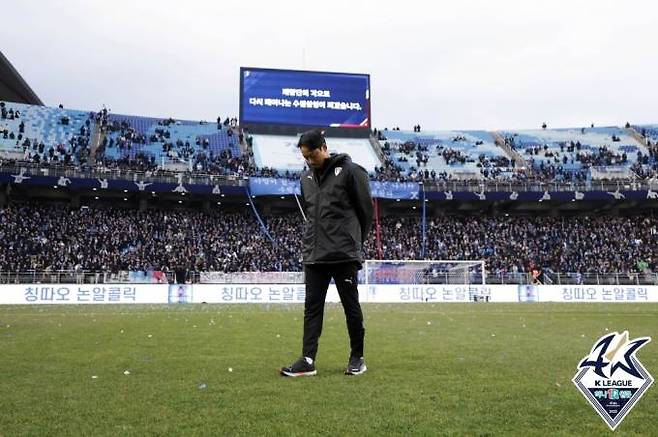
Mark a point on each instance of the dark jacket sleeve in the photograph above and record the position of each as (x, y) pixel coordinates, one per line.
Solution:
(302, 198)
(361, 199)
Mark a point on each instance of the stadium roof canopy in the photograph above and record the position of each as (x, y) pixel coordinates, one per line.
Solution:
(13, 87)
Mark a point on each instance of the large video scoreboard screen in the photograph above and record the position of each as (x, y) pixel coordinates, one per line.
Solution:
(306, 98)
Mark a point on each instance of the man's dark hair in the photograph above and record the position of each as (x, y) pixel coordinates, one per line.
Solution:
(313, 139)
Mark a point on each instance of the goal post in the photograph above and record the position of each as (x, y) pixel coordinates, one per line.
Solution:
(424, 272)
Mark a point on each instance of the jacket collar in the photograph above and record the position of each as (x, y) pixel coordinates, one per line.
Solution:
(330, 163)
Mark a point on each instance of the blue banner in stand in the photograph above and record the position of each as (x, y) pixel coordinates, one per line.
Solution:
(384, 190)
(541, 196)
(273, 186)
(103, 184)
(281, 186)
(395, 190)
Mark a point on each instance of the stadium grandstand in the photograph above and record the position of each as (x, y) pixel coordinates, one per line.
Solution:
(195, 198)
(353, 219)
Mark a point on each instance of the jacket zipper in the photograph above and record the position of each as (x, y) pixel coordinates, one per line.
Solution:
(317, 210)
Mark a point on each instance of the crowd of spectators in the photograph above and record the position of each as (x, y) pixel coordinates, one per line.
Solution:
(405, 162)
(124, 137)
(224, 163)
(582, 244)
(140, 162)
(646, 166)
(571, 161)
(74, 151)
(491, 168)
(551, 172)
(50, 238)
(46, 237)
(121, 135)
(601, 157)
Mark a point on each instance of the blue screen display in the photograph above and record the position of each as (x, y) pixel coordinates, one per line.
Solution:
(304, 98)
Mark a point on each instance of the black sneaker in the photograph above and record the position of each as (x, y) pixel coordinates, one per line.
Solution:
(301, 367)
(356, 366)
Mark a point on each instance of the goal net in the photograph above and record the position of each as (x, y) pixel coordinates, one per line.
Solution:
(423, 272)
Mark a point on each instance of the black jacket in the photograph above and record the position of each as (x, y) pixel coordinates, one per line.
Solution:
(339, 211)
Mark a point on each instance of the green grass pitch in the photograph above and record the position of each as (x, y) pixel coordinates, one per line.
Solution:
(433, 369)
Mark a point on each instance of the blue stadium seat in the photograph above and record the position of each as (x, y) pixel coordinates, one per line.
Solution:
(576, 149)
(44, 125)
(180, 132)
(475, 151)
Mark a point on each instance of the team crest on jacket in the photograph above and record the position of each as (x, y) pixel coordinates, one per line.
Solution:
(337, 170)
(611, 377)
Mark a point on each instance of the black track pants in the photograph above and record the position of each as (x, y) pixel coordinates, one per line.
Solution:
(318, 277)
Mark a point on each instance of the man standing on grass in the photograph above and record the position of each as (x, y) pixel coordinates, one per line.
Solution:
(339, 211)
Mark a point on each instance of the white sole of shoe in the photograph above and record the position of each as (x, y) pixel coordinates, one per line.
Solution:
(295, 375)
(360, 372)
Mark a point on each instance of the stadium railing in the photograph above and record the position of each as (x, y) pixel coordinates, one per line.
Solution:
(73, 277)
(249, 277)
(80, 277)
(539, 185)
(162, 176)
